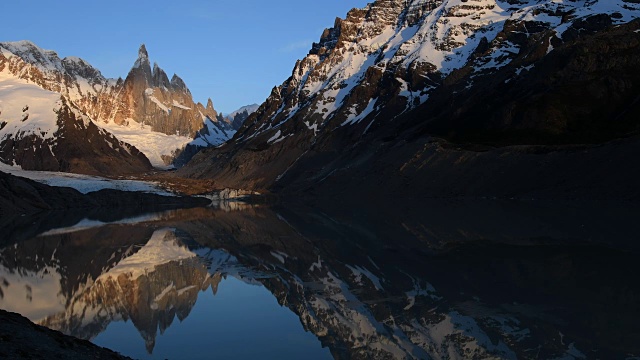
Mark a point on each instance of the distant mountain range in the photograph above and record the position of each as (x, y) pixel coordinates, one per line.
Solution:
(145, 115)
(438, 97)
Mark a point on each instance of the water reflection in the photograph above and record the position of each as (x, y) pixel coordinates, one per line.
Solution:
(477, 280)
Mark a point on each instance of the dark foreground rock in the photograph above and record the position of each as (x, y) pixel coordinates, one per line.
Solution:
(20, 196)
(22, 339)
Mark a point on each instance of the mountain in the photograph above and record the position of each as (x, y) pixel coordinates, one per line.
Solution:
(422, 97)
(150, 98)
(148, 110)
(44, 130)
(216, 131)
(238, 117)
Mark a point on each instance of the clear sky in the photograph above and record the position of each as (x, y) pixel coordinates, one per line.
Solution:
(233, 51)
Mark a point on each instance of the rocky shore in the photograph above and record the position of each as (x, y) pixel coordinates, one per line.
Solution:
(22, 339)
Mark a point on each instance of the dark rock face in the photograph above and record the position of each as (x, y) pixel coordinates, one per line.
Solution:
(21, 339)
(404, 126)
(239, 119)
(584, 91)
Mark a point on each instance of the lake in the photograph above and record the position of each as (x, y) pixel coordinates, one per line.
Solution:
(453, 279)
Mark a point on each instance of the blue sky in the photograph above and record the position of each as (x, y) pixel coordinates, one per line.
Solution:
(233, 51)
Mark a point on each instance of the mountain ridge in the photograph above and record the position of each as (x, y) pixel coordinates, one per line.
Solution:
(349, 99)
(146, 109)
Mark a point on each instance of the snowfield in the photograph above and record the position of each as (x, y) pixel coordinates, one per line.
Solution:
(21, 101)
(154, 145)
(85, 183)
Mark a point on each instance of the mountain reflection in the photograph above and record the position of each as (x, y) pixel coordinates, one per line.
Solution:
(366, 287)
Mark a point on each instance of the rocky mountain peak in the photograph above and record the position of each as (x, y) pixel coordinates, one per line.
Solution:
(143, 61)
(142, 52)
(160, 78)
(178, 84)
(208, 112)
(43, 60)
(80, 68)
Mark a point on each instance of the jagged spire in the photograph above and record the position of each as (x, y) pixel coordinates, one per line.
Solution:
(160, 78)
(142, 52)
(178, 84)
(143, 61)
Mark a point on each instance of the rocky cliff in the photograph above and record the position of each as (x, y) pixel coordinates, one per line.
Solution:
(149, 97)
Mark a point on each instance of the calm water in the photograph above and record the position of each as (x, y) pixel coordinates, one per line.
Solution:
(453, 280)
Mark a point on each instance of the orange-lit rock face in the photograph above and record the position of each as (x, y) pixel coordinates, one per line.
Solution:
(146, 109)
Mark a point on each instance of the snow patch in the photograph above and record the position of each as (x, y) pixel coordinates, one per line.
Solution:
(359, 271)
(313, 127)
(275, 138)
(355, 118)
(163, 247)
(159, 104)
(27, 109)
(178, 105)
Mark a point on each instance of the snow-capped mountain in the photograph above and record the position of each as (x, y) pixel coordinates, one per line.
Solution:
(238, 117)
(387, 58)
(146, 109)
(476, 71)
(216, 131)
(44, 130)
